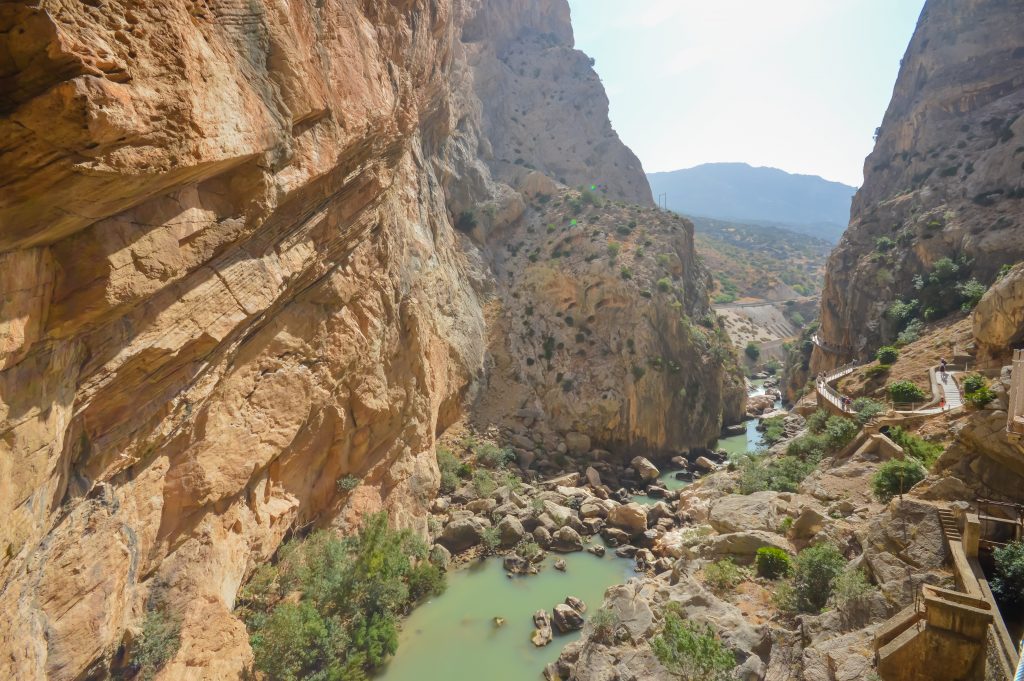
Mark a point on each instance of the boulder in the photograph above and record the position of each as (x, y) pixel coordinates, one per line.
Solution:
(560, 565)
(596, 549)
(565, 540)
(481, 506)
(659, 510)
(741, 512)
(576, 604)
(737, 429)
(615, 536)
(510, 531)
(542, 633)
(542, 536)
(461, 534)
(631, 518)
(946, 488)
(577, 443)
(593, 477)
(440, 505)
(440, 556)
(561, 515)
(741, 546)
(809, 523)
(517, 565)
(567, 480)
(596, 508)
(705, 464)
(566, 619)
(647, 470)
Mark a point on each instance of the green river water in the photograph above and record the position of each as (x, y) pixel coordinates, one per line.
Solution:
(453, 637)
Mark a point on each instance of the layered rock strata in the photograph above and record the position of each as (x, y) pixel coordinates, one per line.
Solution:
(230, 281)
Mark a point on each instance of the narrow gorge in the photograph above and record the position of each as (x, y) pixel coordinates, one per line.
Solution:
(312, 309)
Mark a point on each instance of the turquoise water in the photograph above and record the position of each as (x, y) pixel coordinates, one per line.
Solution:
(454, 638)
(668, 481)
(750, 441)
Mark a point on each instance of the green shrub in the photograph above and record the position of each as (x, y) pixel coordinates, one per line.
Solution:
(351, 591)
(752, 351)
(347, 483)
(425, 579)
(1008, 579)
(974, 382)
(491, 456)
(816, 421)
(867, 409)
(971, 292)
(876, 370)
(814, 576)
(896, 476)
(625, 273)
(161, 637)
(808, 447)
(976, 390)
(773, 563)
(905, 391)
(603, 624)
(911, 333)
(613, 250)
(722, 575)
(528, 549)
(839, 431)
(664, 284)
(690, 652)
(449, 467)
(887, 354)
(484, 482)
(920, 449)
(850, 589)
(774, 430)
(490, 538)
(782, 474)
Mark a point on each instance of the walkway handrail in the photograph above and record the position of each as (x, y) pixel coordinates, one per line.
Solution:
(830, 393)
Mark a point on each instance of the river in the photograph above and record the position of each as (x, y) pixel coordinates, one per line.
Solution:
(454, 636)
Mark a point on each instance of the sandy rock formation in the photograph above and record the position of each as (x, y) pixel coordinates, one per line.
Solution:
(999, 317)
(229, 282)
(944, 179)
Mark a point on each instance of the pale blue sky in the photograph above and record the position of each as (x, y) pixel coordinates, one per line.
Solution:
(794, 84)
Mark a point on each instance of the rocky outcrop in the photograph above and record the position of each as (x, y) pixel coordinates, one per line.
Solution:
(232, 300)
(944, 179)
(999, 317)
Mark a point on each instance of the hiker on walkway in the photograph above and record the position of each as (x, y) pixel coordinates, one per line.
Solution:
(942, 368)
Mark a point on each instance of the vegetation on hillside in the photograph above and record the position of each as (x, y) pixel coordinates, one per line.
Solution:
(328, 607)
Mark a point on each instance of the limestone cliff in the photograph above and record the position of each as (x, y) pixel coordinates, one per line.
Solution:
(945, 178)
(229, 279)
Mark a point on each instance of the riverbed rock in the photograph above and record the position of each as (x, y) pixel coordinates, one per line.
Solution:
(482, 506)
(809, 523)
(566, 540)
(542, 633)
(736, 429)
(440, 556)
(559, 565)
(614, 536)
(576, 604)
(631, 518)
(461, 534)
(566, 619)
(542, 536)
(705, 464)
(645, 469)
(510, 531)
(596, 549)
(593, 477)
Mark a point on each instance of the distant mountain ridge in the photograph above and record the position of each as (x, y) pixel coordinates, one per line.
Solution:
(738, 191)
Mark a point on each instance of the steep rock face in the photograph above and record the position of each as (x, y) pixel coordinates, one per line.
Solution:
(228, 280)
(604, 326)
(945, 178)
(999, 317)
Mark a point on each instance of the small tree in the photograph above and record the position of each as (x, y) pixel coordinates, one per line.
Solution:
(905, 391)
(723, 575)
(1008, 582)
(689, 652)
(752, 351)
(817, 568)
(161, 637)
(867, 409)
(773, 562)
(887, 354)
(896, 476)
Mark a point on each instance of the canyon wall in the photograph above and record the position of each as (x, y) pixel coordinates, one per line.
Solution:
(945, 179)
(229, 279)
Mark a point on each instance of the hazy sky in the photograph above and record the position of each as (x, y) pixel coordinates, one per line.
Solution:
(795, 84)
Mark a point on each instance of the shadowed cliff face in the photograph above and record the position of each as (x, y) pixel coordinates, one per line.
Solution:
(229, 279)
(945, 177)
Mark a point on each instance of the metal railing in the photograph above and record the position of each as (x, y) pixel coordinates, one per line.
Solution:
(1015, 415)
(830, 393)
(834, 348)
